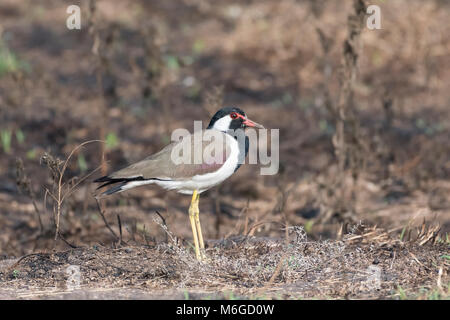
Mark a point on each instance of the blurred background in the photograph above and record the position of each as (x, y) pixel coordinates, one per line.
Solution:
(363, 115)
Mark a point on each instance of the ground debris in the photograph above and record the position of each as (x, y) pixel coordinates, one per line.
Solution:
(251, 267)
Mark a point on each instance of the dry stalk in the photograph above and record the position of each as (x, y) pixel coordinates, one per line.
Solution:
(347, 141)
(159, 220)
(24, 185)
(102, 214)
(119, 222)
(239, 223)
(154, 63)
(60, 189)
(275, 274)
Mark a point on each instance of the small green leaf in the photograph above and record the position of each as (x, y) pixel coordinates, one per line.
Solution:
(230, 296)
(5, 136)
(31, 154)
(198, 47)
(20, 136)
(403, 233)
(172, 63)
(111, 140)
(401, 292)
(9, 62)
(82, 163)
(308, 226)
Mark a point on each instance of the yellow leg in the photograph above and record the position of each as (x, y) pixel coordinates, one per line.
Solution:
(199, 228)
(192, 215)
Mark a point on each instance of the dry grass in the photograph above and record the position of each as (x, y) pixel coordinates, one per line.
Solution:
(247, 266)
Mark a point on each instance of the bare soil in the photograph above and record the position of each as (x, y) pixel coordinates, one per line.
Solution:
(137, 70)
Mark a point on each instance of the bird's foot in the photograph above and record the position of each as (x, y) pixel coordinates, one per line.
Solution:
(203, 258)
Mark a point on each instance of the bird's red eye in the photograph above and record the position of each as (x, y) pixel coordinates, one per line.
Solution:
(233, 115)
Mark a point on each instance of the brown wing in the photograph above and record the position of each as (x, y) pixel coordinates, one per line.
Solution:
(164, 165)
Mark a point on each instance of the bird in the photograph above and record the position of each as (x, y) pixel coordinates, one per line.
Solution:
(192, 178)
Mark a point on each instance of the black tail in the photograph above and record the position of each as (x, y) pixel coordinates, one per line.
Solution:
(108, 181)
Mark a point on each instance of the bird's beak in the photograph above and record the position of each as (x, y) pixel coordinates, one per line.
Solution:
(250, 123)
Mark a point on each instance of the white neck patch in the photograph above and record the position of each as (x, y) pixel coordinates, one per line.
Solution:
(223, 124)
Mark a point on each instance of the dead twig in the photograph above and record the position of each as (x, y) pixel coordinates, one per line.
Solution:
(60, 192)
(67, 242)
(253, 228)
(239, 223)
(24, 185)
(275, 274)
(120, 230)
(23, 258)
(162, 223)
(102, 214)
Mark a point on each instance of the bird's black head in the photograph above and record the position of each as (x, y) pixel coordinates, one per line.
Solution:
(230, 118)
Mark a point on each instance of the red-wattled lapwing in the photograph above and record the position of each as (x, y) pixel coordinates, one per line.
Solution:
(193, 177)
